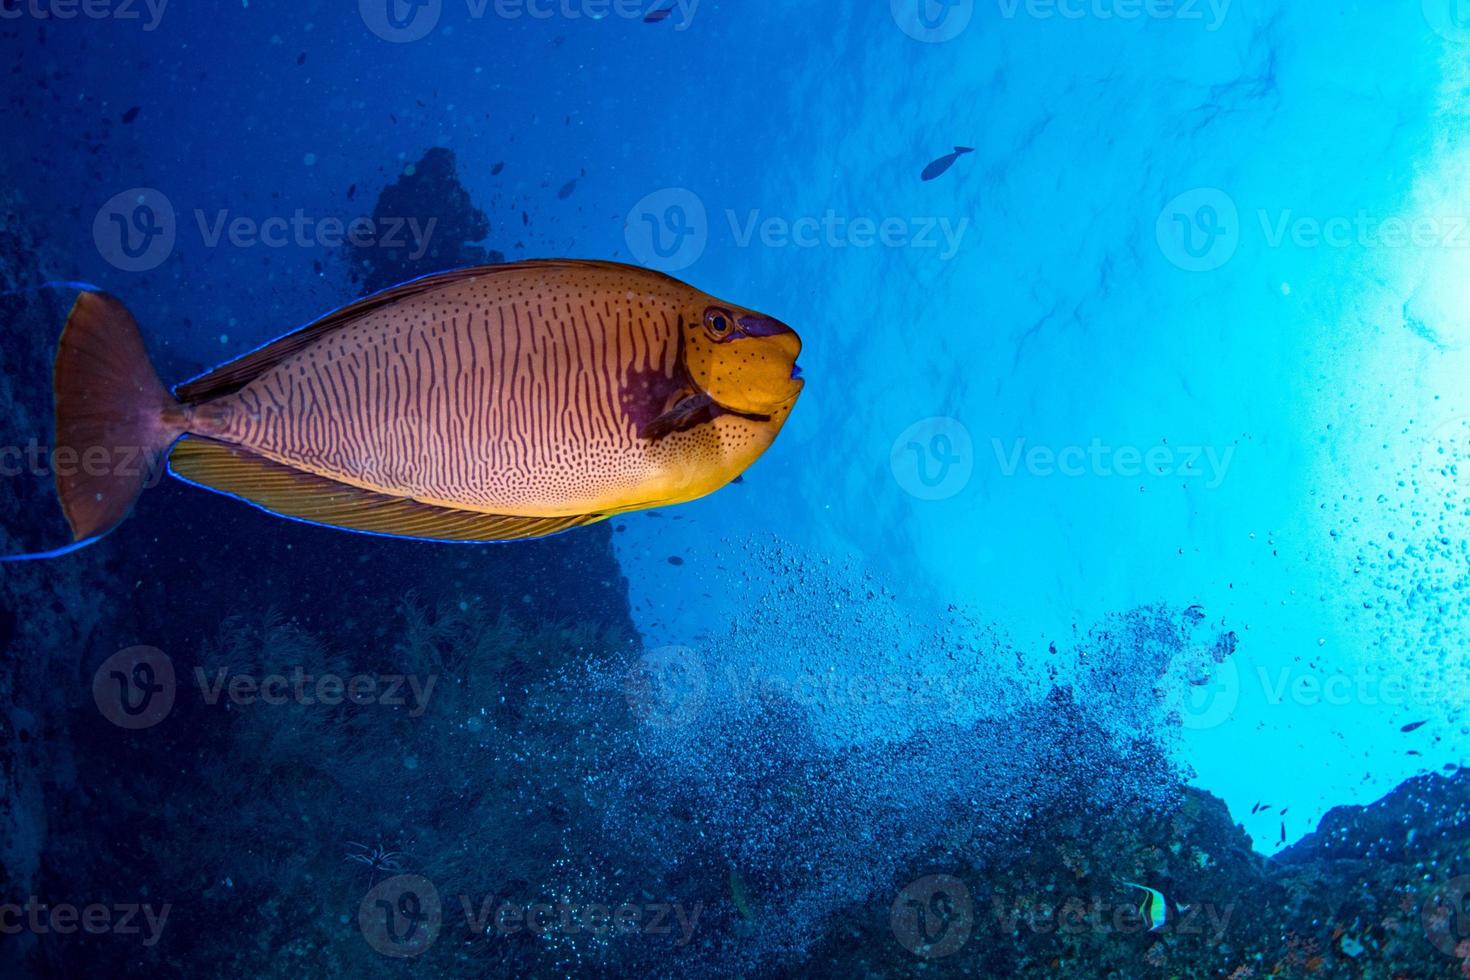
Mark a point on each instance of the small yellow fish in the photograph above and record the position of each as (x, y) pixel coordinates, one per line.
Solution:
(490, 403)
(1154, 909)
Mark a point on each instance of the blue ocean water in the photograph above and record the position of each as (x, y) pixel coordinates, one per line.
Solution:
(1129, 465)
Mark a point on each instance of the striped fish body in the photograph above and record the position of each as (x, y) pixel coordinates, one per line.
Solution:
(521, 393)
(492, 403)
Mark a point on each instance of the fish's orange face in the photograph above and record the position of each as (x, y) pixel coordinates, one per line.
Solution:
(744, 360)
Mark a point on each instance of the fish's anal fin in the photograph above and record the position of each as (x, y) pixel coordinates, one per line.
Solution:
(289, 492)
(677, 417)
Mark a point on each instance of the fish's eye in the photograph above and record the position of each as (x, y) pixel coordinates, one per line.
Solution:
(718, 322)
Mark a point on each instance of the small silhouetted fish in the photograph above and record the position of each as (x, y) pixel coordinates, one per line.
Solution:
(1415, 752)
(675, 560)
(1411, 726)
(301, 58)
(525, 218)
(567, 189)
(351, 192)
(1283, 833)
(495, 170)
(654, 16)
(131, 114)
(939, 166)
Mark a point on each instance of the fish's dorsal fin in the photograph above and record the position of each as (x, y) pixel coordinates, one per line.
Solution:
(236, 374)
(289, 492)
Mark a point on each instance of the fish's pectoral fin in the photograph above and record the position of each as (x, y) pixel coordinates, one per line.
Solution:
(682, 412)
(303, 496)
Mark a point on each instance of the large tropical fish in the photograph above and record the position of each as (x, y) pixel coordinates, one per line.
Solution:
(490, 403)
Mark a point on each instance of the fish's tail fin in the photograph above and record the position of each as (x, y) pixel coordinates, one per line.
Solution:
(114, 419)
